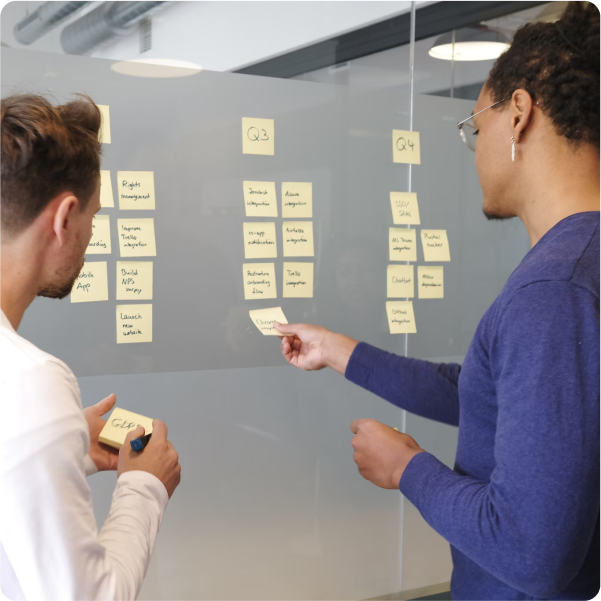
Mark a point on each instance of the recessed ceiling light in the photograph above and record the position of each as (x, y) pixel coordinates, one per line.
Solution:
(471, 44)
(156, 67)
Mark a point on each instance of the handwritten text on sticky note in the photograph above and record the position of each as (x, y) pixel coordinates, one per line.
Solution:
(405, 210)
(401, 319)
(402, 244)
(258, 136)
(264, 318)
(298, 280)
(91, 283)
(134, 323)
(297, 199)
(134, 280)
(405, 146)
(120, 423)
(136, 237)
(435, 244)
(400, 281)
(260, 199)
(136, 190)
(430, 282)
(298, 238)
(100, 242)
(259, 240)
(259, 280)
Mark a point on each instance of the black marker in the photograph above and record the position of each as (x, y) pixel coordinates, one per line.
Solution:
(139, 444)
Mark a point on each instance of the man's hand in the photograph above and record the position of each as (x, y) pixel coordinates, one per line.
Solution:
(382, 453)
(313, 347)
(159, 458)
(105, 457)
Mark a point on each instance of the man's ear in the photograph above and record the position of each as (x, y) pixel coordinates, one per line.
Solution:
(62, 224)
(521, 113)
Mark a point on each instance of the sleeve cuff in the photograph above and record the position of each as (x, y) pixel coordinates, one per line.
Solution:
(361, 364)
(145, 484)
(424, 469)
(89, 466)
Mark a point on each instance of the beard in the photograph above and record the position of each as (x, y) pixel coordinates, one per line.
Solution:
(492, 216)
(62, 289)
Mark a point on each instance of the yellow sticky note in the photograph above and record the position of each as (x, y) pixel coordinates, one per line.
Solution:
(298, 239)
(402, 244)
(405, 147)
(100, 242)
(260, 199)
(104, 135)
(430, 282)
(400, 281)
(106, 190)
(264, 318)
(298, 280)
(401, 319)
(405, 210)
(134, 280)
(120, 424)
(297, 199)
(91, 283)
(436, 245)
(259, 280)
(257, 136)
(136, 237)
(259, 240)
(134, 323)
(136, 190)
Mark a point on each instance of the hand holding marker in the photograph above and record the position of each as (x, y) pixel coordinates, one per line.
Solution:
(139, 444)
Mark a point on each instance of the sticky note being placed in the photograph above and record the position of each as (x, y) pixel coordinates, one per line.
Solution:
(259, 280)
(257, 136)
(134, 280)
(436, 245)
(297, 199)
(401, 319)
(405, 210)
(260, 199)
(402, 243)
(298, 280)
(405, 147)
(100, 242)
(136, 237)
(134, 323)
(91, 283)
(400, 281)
(430, 282)
(259, 240)
(136, 190)
(120, 424)
(298, 238)
(106, 190)
(104, 135)
(264, 318)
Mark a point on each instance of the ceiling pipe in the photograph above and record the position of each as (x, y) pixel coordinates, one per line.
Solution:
(48, 16)
(105, 23)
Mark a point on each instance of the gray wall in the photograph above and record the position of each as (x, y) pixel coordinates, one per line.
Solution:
(271, 505)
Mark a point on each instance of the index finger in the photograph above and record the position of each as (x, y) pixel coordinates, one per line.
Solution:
(355, 425)
(159, 429)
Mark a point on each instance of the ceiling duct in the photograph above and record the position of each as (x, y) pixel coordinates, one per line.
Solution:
(45, 18)
(105, 23)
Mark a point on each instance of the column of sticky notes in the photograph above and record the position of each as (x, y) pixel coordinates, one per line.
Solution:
(402, 242)
(136, 239)
(260, 236)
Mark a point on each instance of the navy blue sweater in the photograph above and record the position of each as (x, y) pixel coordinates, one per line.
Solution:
(521, 507)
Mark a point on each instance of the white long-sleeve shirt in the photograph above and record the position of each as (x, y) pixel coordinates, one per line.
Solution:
(50, 548)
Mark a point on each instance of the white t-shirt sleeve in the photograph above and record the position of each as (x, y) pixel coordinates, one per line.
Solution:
(47, 525)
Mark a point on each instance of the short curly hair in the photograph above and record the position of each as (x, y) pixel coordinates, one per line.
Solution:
(558, 64)
(46, 150)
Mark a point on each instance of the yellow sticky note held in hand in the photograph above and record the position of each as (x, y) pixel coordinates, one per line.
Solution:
(264, 318)
(120, 424)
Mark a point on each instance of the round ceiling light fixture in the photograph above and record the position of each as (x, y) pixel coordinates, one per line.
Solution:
(471, 44)
(156, 67)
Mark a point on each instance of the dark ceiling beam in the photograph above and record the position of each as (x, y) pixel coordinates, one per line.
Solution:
(431, 20)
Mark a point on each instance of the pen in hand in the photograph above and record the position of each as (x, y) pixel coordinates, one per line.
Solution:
(139, 444)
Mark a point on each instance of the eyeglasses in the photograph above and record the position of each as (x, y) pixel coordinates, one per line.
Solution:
(468, 131)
